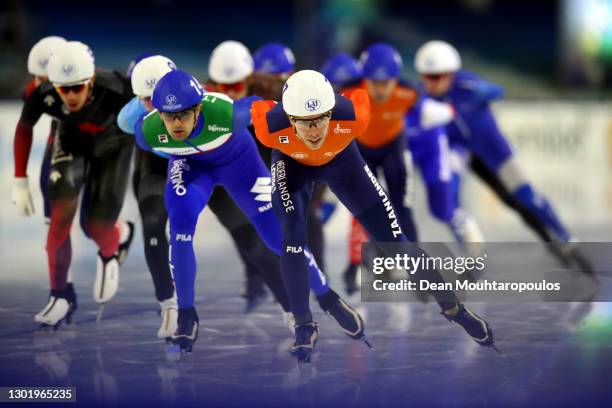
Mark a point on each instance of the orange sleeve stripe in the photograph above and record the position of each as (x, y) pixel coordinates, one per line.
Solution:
(259, 109)
(361, 103)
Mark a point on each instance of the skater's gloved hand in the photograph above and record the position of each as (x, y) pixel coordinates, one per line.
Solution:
(434, 113)
(21, 197)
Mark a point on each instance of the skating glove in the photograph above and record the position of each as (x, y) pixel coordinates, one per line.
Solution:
(434, 114)
(21, 197)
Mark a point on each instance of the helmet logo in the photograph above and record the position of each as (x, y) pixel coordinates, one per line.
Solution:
(342, 74)
(68, 69)
(380, 73)
(170, 100)
(229, 71)
(150, 82)
(268, 66)
(43, 62)
(313, 105)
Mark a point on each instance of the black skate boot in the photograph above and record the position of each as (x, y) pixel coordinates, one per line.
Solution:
(570, 255)
(255, 293)
(556, 250)
(124, 246)
(188, 327)
(475, 326)
(306, 335)
(59, 309)
(349, 276)
(349, 319)
(578, 258)
(72, 299)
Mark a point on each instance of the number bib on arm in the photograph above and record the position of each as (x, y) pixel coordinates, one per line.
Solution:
(217, 110)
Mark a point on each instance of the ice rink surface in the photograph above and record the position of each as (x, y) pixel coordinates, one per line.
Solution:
(556, 354)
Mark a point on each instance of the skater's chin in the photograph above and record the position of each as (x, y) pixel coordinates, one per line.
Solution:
(179, 134)
(314, 144)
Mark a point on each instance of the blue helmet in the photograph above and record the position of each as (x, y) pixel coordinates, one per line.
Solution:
(176, 91)
(136, 60)
(341, 68)
(274, 58)
(381, 62)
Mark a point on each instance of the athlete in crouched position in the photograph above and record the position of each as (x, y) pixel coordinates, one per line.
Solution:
(312, 132)
(206, 138)
(89, 152)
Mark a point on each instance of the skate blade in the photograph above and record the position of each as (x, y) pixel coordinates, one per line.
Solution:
(184, 346)
(303, 355)
(46, 327)
(494, 347)
(100, 313)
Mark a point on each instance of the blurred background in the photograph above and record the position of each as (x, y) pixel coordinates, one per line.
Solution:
(536, 49)
(553, 57)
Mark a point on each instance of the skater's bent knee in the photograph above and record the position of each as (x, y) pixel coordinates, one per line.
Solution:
(182, 221)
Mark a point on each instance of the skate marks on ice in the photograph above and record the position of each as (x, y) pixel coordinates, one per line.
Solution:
(410, 366)
(552, 349)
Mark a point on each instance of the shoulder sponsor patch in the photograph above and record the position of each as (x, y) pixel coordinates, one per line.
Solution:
(217, 128)
(338, 129)
(405, 93)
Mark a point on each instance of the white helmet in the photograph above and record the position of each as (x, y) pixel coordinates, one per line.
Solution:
(38, 59)
(308, 93)
(437, 57)
(71, 63)
(230, 62)
(147, 72)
